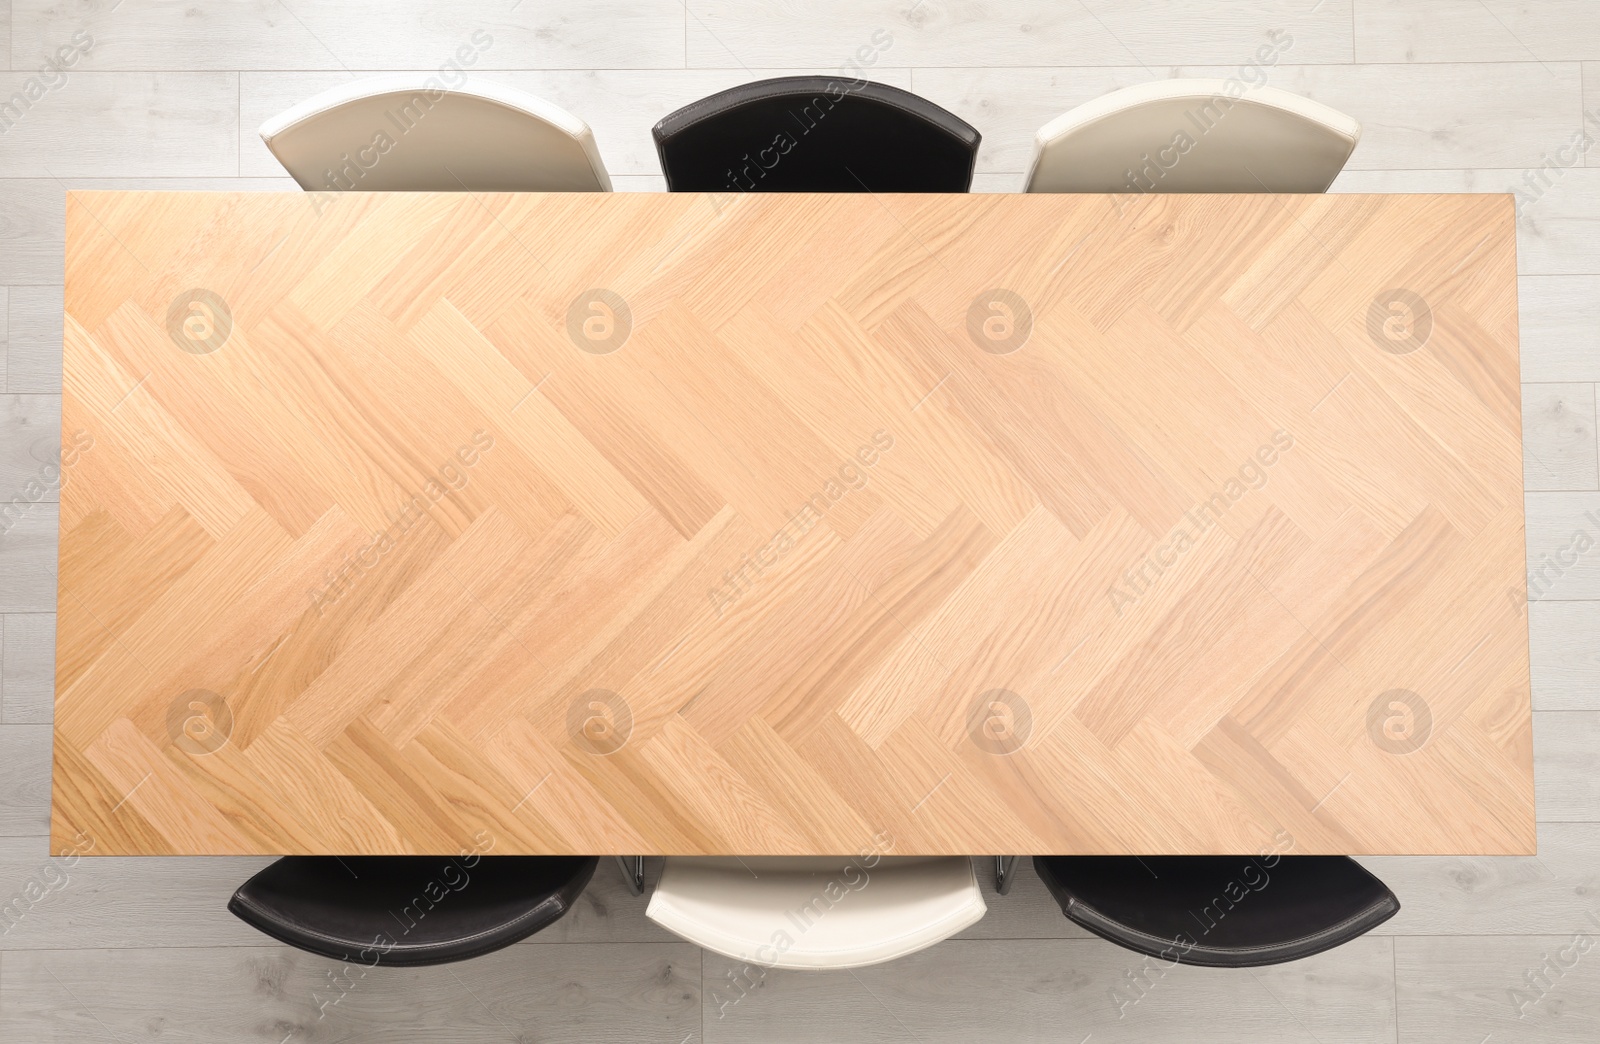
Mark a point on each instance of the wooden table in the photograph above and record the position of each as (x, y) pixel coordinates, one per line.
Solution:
(781, 524)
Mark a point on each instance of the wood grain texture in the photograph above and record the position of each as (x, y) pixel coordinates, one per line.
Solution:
(1558, 235)
(1560, 326)
(1559, 450)
(814, 554)
(1524, 988)
(1485, 895)
(1072, 990)
(146, 118)
(1010, 32)
(30, 434)
(568, 993)
(27, 670)
(1492, 31)
(416, 35)
(27, 553)
(1564, 647)
(5, 332)
(1568, 773)
(24, 789)
(33, 357)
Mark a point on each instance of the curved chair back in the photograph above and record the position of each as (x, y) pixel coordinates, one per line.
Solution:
(409, 910)
(1219, 911)
(816, 912)
(815, 134)
(407, 133)
(1193, 136)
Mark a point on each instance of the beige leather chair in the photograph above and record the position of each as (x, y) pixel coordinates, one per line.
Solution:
(406, 132)
(1191, 136)
(816, 912)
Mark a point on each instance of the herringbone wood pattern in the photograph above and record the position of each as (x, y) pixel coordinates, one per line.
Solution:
(819, 551)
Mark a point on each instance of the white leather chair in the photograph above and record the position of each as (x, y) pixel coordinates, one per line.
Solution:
(407, 132)
(816, 912)
(1192, 136)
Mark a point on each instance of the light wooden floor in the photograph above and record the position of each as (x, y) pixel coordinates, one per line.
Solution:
(1454, 95)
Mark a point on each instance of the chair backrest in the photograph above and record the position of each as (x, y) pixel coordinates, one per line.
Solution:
(341, 906)
(815, 134)
(816, 912)
(1219, 911)
(409, 132)
(1193, 136)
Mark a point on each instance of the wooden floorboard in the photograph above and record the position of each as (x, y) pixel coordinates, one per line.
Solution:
(1057, 990)
(1496, 896)
(1499, 988)
(581, 992)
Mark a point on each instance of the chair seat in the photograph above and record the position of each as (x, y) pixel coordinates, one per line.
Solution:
(409, 910)
(1219, 911)
(827, 912)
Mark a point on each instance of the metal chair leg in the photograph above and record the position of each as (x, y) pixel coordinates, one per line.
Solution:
(1004, 873)
(632, 875)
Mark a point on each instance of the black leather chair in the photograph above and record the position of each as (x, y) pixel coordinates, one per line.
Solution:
(815, 134)
(409, 910)
(1219, 911)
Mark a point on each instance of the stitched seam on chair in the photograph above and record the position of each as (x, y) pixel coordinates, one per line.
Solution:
(563, 907)
(1286, 947)
(466, 940)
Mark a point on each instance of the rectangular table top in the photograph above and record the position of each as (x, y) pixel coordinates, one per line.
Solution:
(782, 524)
